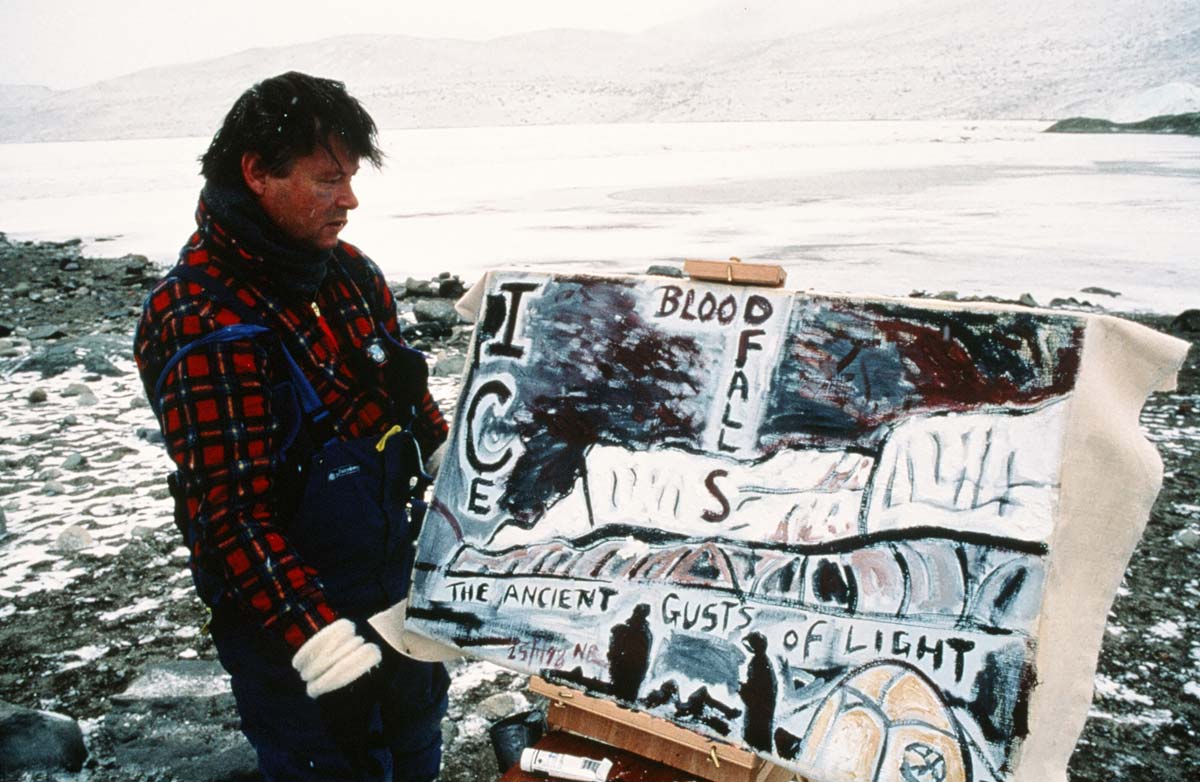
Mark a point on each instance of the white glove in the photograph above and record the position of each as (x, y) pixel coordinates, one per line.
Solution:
(334, 657)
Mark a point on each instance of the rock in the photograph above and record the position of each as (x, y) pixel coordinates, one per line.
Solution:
(74, 461)
(48, 474)
(119, 490)
(449, 732)
(76, 389)
(55, 359)
(69, 265)
(142, 532)
(1027, 300)
(946, 295)
(37, 396)
(1070, 301)
(436, 311)
(177, 720)
(170, 681)
(1187, 321)
(38, 741)
(661, 270)
(151, 435)
(70, 420)
(415, 287)
(501, 705)
(1099, 291)
(73, 538)
(1189, 538)
(30, 460)
(431, 330)
(450, 366)
(21, 289)
(450, 288)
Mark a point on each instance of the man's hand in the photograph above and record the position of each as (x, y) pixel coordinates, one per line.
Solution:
(334, 657)
(351, 718)
(339, 668)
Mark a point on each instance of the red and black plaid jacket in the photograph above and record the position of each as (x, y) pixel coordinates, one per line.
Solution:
(216, 411)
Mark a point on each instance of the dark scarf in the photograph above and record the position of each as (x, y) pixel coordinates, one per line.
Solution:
(294, 270)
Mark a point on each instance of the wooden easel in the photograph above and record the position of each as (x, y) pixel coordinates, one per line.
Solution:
(651, 748)
(652, 738)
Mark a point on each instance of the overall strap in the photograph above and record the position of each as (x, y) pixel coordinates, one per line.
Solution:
(408, 373)
(227, 334)
(252, 326)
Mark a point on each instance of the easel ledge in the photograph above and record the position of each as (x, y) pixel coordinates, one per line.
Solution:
(652, 737)
(735, 272)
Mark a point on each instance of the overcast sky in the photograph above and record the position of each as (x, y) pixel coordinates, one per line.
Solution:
(67, 43)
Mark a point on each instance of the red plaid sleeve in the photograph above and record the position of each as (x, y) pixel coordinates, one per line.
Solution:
(216, 414)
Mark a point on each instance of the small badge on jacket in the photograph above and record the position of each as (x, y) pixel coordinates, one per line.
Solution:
(376, 352)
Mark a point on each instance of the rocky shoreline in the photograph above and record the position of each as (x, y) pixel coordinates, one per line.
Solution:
(98, 621)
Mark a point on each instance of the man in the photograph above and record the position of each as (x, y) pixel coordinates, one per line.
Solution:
(297, 420)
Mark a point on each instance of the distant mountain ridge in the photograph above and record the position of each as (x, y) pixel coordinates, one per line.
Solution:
(764, 60)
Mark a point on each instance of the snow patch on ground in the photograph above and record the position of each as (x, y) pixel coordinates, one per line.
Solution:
(118, 489)
(141, 606)
(472, 675)
(1154, 717)
(1167, 630)
(1107, 689)
(83, 655)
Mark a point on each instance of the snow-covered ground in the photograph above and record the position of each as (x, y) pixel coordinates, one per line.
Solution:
(869, 207)
(82, 474)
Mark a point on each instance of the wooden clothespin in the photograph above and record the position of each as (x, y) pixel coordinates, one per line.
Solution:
(735, 272)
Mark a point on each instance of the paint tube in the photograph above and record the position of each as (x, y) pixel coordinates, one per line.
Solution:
(556, 764)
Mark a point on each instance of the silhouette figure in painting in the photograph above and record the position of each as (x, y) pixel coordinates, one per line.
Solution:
(758, 692)
(629, 654)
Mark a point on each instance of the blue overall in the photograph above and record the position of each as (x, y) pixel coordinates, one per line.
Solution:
(352, 509)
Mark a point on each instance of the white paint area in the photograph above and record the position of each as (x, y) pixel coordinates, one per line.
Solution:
(990, 473)
(792, 497)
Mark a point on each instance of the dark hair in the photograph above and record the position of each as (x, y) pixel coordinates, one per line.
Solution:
(284, 118)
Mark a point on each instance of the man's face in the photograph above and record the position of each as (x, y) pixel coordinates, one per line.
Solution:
(312, 201)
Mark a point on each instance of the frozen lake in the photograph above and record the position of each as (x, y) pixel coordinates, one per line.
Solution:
(865, 207)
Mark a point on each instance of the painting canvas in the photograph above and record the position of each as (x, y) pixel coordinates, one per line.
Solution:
(817, 527)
